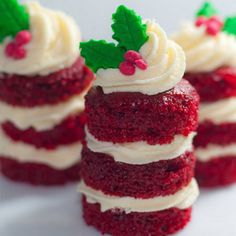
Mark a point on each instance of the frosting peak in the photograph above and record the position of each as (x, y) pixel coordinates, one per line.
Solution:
(205, 53)
(166, 66)
(54, 44)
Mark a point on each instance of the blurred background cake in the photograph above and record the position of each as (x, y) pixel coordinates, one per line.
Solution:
(43, 81)
(210, 47)
(137, 166)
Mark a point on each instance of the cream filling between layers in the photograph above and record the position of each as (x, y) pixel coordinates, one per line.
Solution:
(183, 199)
(218, 112)
(61, 158)
(166, 66)
(42, 117)
(54, 44)
(213, 151)
(205, 53)
(141, 152)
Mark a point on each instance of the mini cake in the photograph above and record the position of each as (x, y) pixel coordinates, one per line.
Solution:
(43, 81)
(137, 165)
(210, 47)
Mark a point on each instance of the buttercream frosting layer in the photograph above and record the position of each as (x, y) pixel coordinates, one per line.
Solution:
(62, 157)
(213, 151)
(54, 44)
(219, 112)
(140, 153)
(166, 66)
(182, 200)
(204, 52)
(42, 117)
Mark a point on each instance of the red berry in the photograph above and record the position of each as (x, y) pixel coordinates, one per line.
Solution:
(10, 49)
(141, 64)
(127, 68)
(23, 37)
(132, 56)
(213, 28)
(200, 21)
(19, 53)
(217, 20)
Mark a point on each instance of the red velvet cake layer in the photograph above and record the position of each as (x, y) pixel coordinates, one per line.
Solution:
(38, 174)
(222, 134)
(116, 223)
(216, 85)
(101, 172)
(69, 131)
(217, 172)
(130, 117)
(40, 90)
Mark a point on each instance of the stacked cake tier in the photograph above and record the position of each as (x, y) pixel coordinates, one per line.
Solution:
(145, 177)
(216, 140)
(42, 100)
(211, 63)
(137, 164)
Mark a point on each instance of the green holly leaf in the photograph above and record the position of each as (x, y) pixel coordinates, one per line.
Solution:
(230, 25)
(207, 10)
(101, 54)
(128, 28)
(13, 18)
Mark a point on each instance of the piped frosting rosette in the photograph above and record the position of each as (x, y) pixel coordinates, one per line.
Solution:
(205, 53)
(53, 45)
(166, 66)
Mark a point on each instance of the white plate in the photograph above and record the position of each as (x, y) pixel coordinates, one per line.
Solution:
(32, 211)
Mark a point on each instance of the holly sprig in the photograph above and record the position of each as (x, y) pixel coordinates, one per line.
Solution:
(13, 18)
(106, 55)
(129, 32)
(210, 13)
(207, 10)
(128, 29)
(230, 25)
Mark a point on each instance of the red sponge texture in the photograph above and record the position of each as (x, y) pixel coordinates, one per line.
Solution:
(101, 172)
(69, 131)
(116, 223)
(217, 172)
(38, 174)
(220, 134)
(130, 117)
(41, 90)
(215, 85)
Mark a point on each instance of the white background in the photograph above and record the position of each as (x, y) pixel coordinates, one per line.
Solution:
(28, 211)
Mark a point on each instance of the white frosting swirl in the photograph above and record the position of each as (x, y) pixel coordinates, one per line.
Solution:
(183, 199)
(213, 151)
(218, 112)
(139, 153)
(205, 53)
(61, 158)
(54, 44)
(43, 117)
(166, 66)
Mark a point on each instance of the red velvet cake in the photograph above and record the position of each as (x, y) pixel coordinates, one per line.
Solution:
(210, 47)
(137, 165)
(43, 81)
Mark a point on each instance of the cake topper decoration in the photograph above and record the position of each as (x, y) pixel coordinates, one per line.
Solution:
(130, 33)
(230, 25)
(207, 16)
(14, 22)
(13, 18)
(207, 10)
